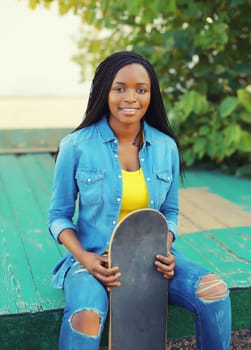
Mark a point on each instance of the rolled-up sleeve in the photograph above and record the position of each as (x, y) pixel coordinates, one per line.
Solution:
(64, 190)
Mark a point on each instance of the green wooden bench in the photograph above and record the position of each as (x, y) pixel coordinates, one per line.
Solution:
(20, 141)
(31, 310)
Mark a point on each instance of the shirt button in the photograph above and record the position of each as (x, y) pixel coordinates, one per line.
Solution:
(119, 176)
(151, 201)
(118, 199)
(148, 179)
(142, 159)
(89, 180)
(114, 222)
(115, 155)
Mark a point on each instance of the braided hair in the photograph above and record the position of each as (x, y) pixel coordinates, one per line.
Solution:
(105, 73)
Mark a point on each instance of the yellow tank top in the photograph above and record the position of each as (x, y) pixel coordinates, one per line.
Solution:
(135, 193)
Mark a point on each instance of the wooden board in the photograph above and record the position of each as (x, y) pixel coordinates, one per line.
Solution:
(27, 251)
(17, 141)
(215, 231)
(203, 210)
(232, 188)
(226, 252)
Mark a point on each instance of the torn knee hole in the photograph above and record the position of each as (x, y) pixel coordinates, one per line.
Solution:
(211, 288)
(86, 322)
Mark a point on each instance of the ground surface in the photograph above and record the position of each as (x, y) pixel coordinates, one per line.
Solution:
(241, 340)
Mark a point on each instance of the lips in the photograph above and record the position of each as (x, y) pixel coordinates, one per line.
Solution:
(129, 110)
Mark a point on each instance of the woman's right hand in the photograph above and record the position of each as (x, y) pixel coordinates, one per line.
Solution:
(96, 265)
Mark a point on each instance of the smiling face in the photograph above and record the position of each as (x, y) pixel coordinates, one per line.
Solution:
(130, 95)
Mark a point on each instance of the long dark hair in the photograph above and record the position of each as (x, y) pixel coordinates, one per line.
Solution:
(105, 73)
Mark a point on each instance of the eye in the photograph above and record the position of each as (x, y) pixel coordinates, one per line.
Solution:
(119, 89)
(141, 90)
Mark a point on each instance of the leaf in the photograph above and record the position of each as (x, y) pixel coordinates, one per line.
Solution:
(201, 105)
(204, 130)
(246, 117)
(33, 4)
(219, 69)
(212, 149)
(244, 97)
(232, 134)
(245, 141)
(193, 102)
(189, 157)
(187, 103)
(227, 106)
(199, 146)
(171, 5)
(220, 32)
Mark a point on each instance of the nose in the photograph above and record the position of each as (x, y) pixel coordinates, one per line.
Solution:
(130, 95)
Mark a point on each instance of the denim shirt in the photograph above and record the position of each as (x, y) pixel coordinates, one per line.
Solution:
(88, 180)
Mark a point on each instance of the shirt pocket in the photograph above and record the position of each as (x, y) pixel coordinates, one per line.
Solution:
(164, 179)
(90, 184)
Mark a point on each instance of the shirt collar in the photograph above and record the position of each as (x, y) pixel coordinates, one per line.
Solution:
(107, 134)
(104, 130)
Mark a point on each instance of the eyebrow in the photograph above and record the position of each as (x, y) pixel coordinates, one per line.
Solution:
(122, 83)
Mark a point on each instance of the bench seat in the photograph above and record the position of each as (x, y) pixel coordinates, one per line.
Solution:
(215, 231)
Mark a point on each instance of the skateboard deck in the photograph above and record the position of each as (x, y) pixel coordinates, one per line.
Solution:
(138, 308)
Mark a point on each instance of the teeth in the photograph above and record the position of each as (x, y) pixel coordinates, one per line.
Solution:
(129, 109)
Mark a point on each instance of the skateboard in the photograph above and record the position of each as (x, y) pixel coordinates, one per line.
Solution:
(138, 308)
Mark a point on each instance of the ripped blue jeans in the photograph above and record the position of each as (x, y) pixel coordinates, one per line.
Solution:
(84, 292)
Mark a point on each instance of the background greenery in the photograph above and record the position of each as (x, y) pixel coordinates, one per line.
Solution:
(201, 53)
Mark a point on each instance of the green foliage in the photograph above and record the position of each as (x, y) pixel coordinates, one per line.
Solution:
(201, 52)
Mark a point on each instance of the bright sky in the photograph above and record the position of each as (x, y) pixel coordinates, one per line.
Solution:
(35, 51)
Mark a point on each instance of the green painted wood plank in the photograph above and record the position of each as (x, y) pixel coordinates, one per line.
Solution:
(45, 167)
(46, 163)
(237, 240)
(40, 186)
(232, 188)
(40, 249)
(31, 138)
(17, 292)
(216, 256)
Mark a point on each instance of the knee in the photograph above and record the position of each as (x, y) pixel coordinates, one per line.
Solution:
(212, 288)
(86, 322)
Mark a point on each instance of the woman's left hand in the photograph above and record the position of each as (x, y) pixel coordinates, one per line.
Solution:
(166, 265)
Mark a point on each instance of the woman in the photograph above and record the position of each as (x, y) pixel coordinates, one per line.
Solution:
(124, 143)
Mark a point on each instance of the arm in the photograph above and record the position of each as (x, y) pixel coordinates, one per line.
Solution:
(93, 262)
(62, 208)
(64, 191)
